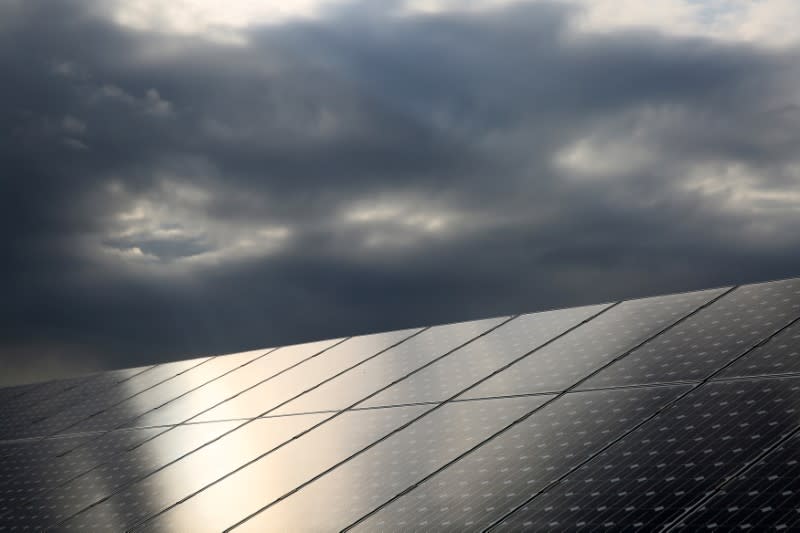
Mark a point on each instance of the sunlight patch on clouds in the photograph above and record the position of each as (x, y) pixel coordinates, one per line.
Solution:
(170, 230)
(400, 222)
(761, 22)
(435, 7)
(766, 22)
(596, 157)
(741, 188)
(221, 22)
(151, 103)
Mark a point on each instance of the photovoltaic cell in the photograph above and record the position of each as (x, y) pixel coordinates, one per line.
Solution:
(368, 479)
(7, 394)
(582, 351)
(21, 423)
(502, 473)
(483, 356)
(128, 412)
(138, 385)
(393, 365)
(31, 474)
(765, 497)
(68, 498)
(281, 470)
(706, 341)
(781, 355)
(648, 478)
(264, 379)
(16, 479)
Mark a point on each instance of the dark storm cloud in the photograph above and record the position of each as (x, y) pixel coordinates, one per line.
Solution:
(168, 195)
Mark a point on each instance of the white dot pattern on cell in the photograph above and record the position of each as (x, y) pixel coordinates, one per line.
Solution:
(139, 385)
(561, 364)
(51, 506)
(706, 341)
(766, 496)
(264, 397)
(405, 458)
(485, 355)
(269, 477)
(502, 473)
(780, 355)
(392, 365)
(127, 412)
(651, 475)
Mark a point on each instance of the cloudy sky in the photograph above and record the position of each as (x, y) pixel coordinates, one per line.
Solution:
(199, 177)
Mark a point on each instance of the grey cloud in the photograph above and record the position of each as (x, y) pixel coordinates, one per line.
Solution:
(168, 196)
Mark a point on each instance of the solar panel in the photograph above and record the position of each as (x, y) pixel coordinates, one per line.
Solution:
(502, 472)
(363, 380)
(141, 384)
(766, 496)
(709, 339)
(676, 412)
(331, 442)
(648, 478)
(611, 334)
(779, 356)
(485, 355)
(127, 413)
(360, 482)
(25, 496)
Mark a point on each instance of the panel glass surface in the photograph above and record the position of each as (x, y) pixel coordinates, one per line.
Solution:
(128, 412)
(385, 470)
(647, 479)
(31, 475)
(708, 340)
(273, 475)
(139, 384)
(387, 368)
(14, 391)
(569, 359)
(41, 392)
(483, 356)
(65, 499)
(21, 422)
(263, 373)
(18, 412)
(765, 497)
(781, 355)
(484, 485)
(21, 476)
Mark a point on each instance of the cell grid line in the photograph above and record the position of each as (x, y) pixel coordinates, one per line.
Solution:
(705, 380)
(335, 415)
(563, 393)
(437, 406)
(109, 387)
(167, 428)
(721, 484)
(211, 380)
(249, 420)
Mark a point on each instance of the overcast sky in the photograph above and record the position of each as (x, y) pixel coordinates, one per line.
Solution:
(198, 177)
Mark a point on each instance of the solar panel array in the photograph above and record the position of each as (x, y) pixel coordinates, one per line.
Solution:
(673, 412)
